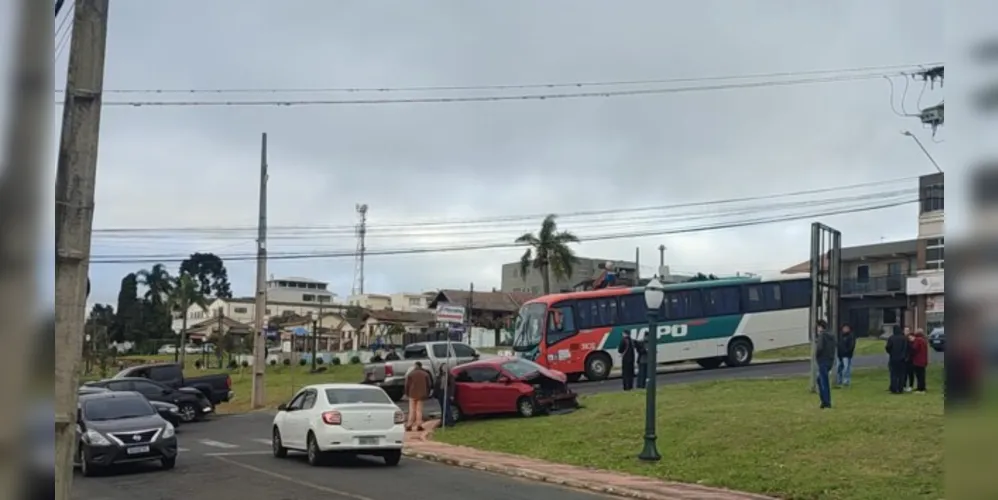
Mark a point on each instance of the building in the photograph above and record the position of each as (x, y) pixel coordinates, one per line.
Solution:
(585, 270)
(407, 302)
(302, 290)
(488, 309)
(874, 285)
(243, 310)
(925, 289)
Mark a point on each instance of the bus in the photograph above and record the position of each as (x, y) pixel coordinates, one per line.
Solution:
(714, 322)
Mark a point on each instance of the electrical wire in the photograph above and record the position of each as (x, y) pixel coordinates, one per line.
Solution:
(892, 183)
(148, 259)
(63, 39)
(524, 86)
(493, 98)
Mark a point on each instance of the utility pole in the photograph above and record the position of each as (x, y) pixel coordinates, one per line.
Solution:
(221, 340)
(74, 214)
(316, 325)
(258, 396)
(661, 261)
(637, 265)
(467, 316)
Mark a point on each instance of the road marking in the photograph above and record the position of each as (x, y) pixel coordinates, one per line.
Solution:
(263, 441)
(317, 487)
(217, 444)
(236, 453)
(183, 450)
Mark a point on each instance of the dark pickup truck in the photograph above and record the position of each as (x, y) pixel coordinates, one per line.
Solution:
(217, 388)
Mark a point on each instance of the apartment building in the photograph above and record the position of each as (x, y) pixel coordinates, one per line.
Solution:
(405, 302)
(926, 289)
(296, 290)
(585, 270)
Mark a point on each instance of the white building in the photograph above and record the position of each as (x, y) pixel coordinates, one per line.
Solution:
(302, 290)
(405, 302)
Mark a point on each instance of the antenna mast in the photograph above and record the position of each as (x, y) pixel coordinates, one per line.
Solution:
(358, 272)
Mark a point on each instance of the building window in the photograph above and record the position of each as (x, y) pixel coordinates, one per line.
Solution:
(268, 311)
(894, 269)
(240, 310)
(890, 316)
(414, 301)
(934, 253)
(307, 297)
(863, 274)
(932, 198)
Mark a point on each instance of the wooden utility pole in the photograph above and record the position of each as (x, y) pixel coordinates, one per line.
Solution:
(28, 124)
(258, 396)
(74, 215)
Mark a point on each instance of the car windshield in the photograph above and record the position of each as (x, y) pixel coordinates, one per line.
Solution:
(521, 368)
(357, 396)
(117, 408)
(527, 332)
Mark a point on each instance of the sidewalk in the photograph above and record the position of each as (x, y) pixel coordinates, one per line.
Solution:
(418, 445)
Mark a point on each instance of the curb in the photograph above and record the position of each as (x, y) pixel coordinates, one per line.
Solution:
(572, 483)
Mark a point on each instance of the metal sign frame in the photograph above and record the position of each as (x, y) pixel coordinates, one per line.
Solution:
(826, 280)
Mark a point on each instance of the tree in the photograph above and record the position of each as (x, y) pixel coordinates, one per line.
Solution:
(126, 322)
(184, 293)
(548, 252)
(98, 323)
(158, 284)
(210, 274)
(702, 277)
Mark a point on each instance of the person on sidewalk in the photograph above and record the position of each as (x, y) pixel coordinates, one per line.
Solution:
(641, 347)
(896, 348)
(444, 393)
(846, 349)
(909, 367)
(824, 356)
(417, 389)
(919, 356)
(627, 351)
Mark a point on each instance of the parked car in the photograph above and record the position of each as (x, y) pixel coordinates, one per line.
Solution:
(937, 339)
(509, 385)
(121, 427)
(343, 418)
(192, 404)
(169, 412)
(217, 388)
(390, 375)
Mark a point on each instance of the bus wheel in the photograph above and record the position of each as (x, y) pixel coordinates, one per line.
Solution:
(574, 377)
(710, 363)
(598, 366)
(739, 353)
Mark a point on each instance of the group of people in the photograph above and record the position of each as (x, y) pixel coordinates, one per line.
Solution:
(907, 358)
(421, 386)
(631, 351)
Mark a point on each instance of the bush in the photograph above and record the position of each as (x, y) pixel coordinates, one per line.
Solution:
(319, 360)
(233, 365)
(355, 360)
(302, 362)
(336, 361)
(286, 361)
(245, 364)
(273, 362)
(197, 364)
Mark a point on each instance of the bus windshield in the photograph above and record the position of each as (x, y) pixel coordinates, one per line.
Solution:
(527, 333)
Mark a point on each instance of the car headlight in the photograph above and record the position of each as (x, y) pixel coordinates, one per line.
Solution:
(168, 431)
(95, 438)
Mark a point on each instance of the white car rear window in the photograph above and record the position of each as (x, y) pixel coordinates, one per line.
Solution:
(357, 395)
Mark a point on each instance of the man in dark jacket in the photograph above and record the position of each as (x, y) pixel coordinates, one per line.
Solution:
(846, 348)
(626, 351)
(824, 356)
(897, 357)
(641, 346)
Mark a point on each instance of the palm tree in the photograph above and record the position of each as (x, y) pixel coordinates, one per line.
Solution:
(158, 284)
(549, 252)
(184, 294)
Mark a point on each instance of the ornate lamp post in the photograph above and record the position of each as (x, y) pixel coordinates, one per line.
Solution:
(654, 296)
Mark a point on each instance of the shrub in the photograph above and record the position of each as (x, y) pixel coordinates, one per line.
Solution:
(197, 364)
(302, 362)
(233, 365)
(286, 361)
(355, 360)
(273, 362)
(319, 360)
(336, 361)
(245, 364)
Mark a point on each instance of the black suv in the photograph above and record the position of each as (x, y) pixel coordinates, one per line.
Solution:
(192, 403)
(121, 427)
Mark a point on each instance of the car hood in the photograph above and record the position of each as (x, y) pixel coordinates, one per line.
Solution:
(126, 424)
(546, 373)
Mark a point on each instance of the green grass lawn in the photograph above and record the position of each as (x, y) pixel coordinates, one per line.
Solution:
(764, 436)
(864, 346)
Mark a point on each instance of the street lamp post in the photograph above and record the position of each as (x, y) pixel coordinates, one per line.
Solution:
(654, 295)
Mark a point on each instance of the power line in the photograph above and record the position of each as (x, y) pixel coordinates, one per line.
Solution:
(893, 183)
(522, 86)
(458, 248)
(497, 98)
(62, 40)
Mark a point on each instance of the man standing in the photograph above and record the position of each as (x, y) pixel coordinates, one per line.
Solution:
(824, 356)
(445, 394)
(846, 349)
(919, 357)
(417, 390)
(909, 367)
(641, 346)
(897, 354)
(626, 351)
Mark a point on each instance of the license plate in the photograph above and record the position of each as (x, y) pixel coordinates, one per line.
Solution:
(135, 450)
(367, 440)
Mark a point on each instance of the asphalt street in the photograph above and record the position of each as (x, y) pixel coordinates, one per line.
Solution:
(228, 457)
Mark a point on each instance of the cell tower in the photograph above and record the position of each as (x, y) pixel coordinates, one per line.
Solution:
(358, 272)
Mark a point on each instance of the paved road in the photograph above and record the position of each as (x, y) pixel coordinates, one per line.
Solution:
(229, 458)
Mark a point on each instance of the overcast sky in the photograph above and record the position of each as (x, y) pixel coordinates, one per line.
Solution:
(198, 166)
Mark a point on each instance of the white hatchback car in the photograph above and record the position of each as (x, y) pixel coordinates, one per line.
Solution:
(350, 418)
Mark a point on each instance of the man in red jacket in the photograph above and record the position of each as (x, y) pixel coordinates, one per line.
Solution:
(919, 359)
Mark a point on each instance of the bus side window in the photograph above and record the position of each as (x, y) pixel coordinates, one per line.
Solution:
(721, 301)
(796, 293)
(632, 310)
(597, 313)
(561, 324)
(762, 297)
(683, 304)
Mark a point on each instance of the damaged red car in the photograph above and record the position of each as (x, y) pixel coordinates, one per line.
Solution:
(509, 385)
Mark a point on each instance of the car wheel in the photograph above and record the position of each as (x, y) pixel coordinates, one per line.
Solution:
(710, 363)
(525, 407)
(739, 353)
(86, 468)
(455, 412)
(392, 457)
(279, 450)
(598, 366)
(188, 412)
(168, 463)
(314, 453)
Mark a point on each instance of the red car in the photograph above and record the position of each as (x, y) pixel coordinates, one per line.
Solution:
(509, 385)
